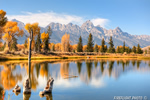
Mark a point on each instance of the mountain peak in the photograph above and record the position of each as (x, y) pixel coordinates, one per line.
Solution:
(15, 20)
(118, 29)
(88, 25)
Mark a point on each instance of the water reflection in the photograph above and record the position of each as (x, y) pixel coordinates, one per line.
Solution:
(48, 96)
(65, 73)
(26, 96)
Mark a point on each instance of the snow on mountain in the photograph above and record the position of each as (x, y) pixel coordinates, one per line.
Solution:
(98, 33)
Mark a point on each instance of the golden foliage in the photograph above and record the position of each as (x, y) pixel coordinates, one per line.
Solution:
(43, 71)
(32, 28)
(84, 48)
(58, 47)
(65, 42)
(20, 46)
(8, 79)
(74, 47)
(2, 13)
(44, 36)
(64, 70)
(1, 44)
(11, 30)
(50, 45)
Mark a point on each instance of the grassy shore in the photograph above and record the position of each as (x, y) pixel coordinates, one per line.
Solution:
(49, 56)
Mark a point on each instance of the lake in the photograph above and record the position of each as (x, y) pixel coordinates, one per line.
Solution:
(89, 79)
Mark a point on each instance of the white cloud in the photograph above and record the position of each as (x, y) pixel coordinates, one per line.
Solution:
(45, 18)
(100, 21)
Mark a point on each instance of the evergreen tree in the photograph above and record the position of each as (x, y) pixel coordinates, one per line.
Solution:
(46, 48)
(53, 48)
(90, 43)
(102, 45)
(13, 45)
(139, 50)
(96, 48)
(49, 31)
(111, 47)
(25, 43)
(128, 50)
(134, 49)
(118, 49)
(105, 48)
(80, 46)
(38, 43)
(123, 49)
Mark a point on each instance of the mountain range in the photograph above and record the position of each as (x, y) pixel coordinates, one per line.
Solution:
(87, 27)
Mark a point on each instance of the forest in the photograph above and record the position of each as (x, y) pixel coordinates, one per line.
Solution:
(40, 42)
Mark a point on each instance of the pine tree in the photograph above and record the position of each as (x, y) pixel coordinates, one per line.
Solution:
(111, 47)
(118, 49)
(105, 48)
(102, 45)
(53, 48)
(90, 43)
(80, 46)
(38, 44)
(46, 48)
(134, 49)
(25, 43)
(96, 48)
(139, 50)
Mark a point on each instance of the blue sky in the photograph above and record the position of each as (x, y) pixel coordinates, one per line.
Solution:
(132, 16)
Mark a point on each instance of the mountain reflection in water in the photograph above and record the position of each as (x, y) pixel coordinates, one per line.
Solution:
(67, 74)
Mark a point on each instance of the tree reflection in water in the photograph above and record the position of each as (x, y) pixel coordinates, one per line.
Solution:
(95, 63)
(26, 96)
(64, 70)
(111, 64)
(138, 64)
(102, 62)
(79, 66)
(11, 72)
(89, 68)
(8, 79)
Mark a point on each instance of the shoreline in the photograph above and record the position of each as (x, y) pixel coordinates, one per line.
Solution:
(45, 57)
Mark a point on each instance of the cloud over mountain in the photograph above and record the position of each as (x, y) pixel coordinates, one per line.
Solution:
(44, 18)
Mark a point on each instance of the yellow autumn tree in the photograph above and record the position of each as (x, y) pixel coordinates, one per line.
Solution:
(11, 31)
(65, 43)
(33, 30)
(45, 37)
(84, 48)
(58, 47)
(50, 45)
(74, 47)
(3, 21)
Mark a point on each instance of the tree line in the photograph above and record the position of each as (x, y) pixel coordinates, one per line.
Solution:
(40, 42)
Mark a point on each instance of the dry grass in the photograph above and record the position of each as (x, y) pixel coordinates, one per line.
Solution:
(44, 57)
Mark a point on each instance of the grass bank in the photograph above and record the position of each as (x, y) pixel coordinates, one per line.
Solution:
(44, 57)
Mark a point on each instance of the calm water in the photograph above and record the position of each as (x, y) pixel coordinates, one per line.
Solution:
(77, 80)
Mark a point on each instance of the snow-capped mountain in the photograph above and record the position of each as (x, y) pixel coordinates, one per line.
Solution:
(87, 27)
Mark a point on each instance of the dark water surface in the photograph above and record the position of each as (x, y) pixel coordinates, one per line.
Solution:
(99, 79)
